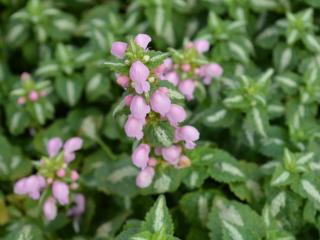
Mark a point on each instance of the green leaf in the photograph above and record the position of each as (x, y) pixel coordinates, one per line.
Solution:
(26, 232)
(69, 90)
(159, 134)
(158, 218)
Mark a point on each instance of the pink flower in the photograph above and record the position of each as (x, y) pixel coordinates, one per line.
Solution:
(139, 108)
(133, 128)
(19, 187)
(21, 101)
(79, 207)
(139, 73)
(54, 145)
(123, 81)
(176, 114)
(61, 173)
(33, 96)
(50, 209)
(70, 146)
(172, 154)
(188, 134)
(186, 67)
(74, 175)
(60, 191)
(140, 155)
(144, 177)
(118, 49)
(152, 162)
(210, 71)
(33, 186)
(25, 76)
(160, 102)
(127, 100)
(142, 40)
(201, 45)
(172, 77)
(187, 88)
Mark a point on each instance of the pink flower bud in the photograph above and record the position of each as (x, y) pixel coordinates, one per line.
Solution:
(144, 177)
(19, 187)
(184, 162)
(157, 151)
(133, 128)
(50, 209)
(139, 73)
(214, 70)
(25, 76)
(176, 114)
(123, 81)
(201, 45)
(118, 49)
(33, 96)
(127, 100)
(49, 180)
(21, 101)
(160, 102)
(188, 134)
(172, 154)
(139, 109)
(152, 162)
(142, 40)
(72, 145)
(187, 88)
(54, 145)
(140, 156)
(74, 175)
(60, 191)
(186, 67)
(79, 207)
(172, 77)
(74, 186)
(189, 45)
(61, 173)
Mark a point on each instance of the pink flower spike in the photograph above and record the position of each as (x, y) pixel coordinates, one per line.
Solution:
(73, 144)
(61, 173)
(160, 102)
(201, 45)
(21, 100)
(118, 49)
(33, 96)
(188, 134)
(133, 128)
(176, 114)
(25, 76)
(60, 191)
(54, 145)
(142, 40)
(139, 73)
(139, 108)
(140, 156)
(172, 154)
(127, 100)
(50, 209)
(74, 175)
(187, 88)
(145, 177)
(123, 81)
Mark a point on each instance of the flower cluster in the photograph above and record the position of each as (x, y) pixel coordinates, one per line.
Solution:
(55, 183)
(30, 91)
(155, 116)
(188, 67)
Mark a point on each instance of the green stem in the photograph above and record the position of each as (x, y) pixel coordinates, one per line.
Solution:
(106, 148)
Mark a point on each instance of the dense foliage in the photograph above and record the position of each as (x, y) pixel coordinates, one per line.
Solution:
(254, 172)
